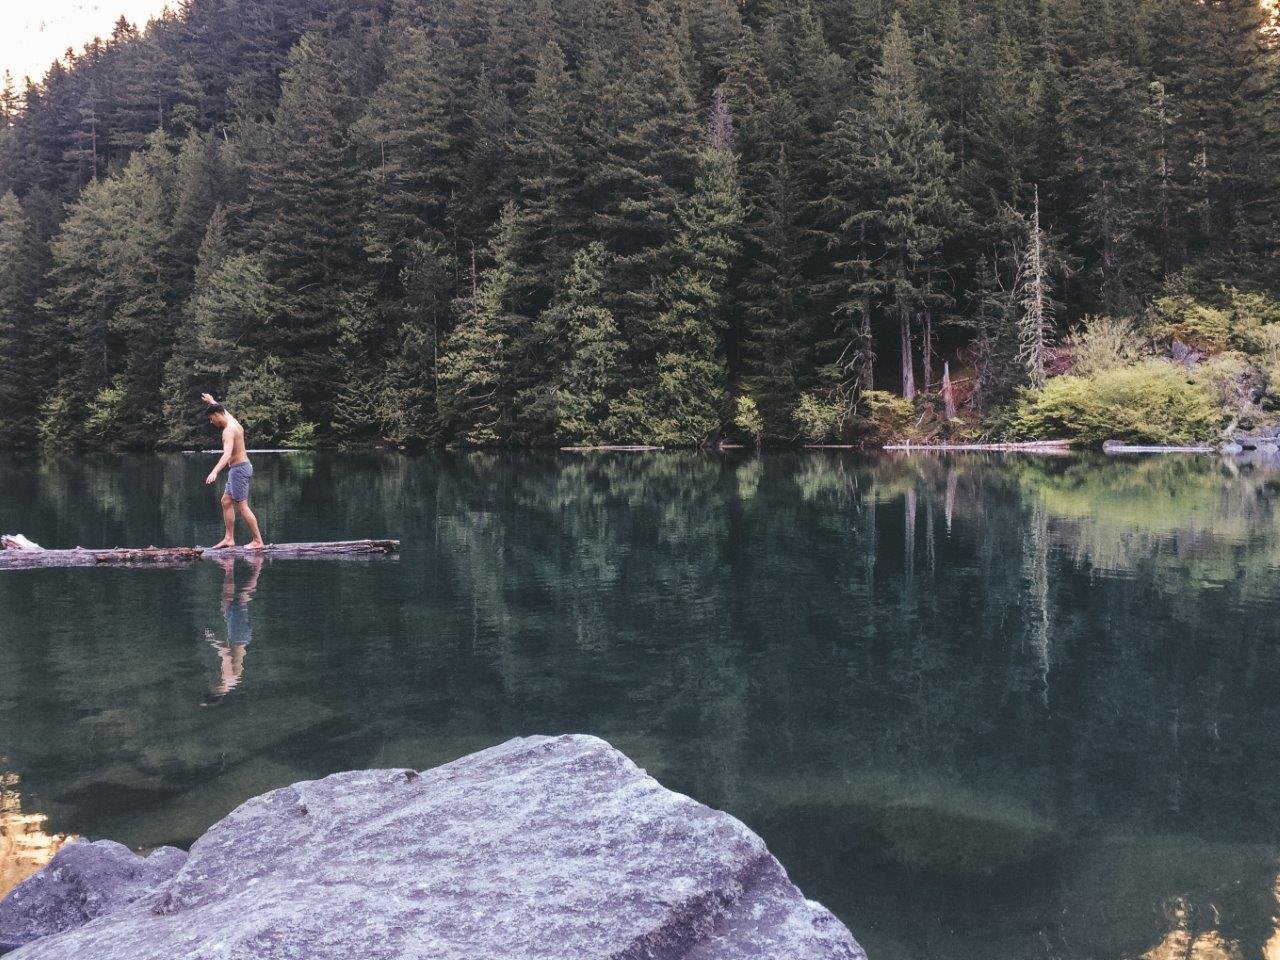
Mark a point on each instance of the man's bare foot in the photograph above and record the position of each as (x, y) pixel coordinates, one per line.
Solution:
(224, 542)
(254, 545)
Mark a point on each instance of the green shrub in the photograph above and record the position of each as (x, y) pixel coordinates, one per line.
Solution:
(1236, 385)
(747, 418)
(1229, 319)
(106, 412)
(885, 417)
(59, 421)
(819, 420)
(1102, 343)
(1150, 402)
(301, 437)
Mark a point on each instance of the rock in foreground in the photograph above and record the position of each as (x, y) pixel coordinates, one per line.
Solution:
(544, 848)
(82, 882)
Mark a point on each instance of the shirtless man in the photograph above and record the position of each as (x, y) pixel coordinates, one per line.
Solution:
(235, 498)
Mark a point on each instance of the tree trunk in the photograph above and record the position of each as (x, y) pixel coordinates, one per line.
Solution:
(908, 369)
(926, 347)
(866, 363)
(948, 392)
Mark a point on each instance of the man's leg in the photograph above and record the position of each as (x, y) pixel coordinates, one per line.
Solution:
(251, 522)
(228, 521)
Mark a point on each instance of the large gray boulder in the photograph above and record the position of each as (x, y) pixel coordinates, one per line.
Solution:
(543, 848)
(82, 882)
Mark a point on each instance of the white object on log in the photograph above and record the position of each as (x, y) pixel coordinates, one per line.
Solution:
(16, 541)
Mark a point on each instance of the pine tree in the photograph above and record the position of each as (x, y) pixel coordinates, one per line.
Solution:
(110, 288)
(1035, 297)
(404, 142)
(589, 377)
(778, 353)
(488, 174)
(409, 407)
(474, 369)
(1004, 131)
(187, 109)
(893, 200)
(305, 213)
(358, 399)
(20, 264)
(550, 172)
(683, 400)
(198, 177)
(229, 306)
(643, 137)
(1236, 95)
(1105, 112)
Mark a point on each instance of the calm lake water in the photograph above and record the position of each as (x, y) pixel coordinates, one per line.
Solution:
(984, 707)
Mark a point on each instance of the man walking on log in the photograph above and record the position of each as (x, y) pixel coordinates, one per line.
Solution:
(235, 497)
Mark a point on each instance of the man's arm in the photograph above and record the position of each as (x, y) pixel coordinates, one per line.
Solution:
(228, 443)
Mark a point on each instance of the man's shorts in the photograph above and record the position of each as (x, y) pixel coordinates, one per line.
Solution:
(238, 477)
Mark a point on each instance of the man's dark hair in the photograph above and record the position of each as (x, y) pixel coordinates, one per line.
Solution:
(213, 408)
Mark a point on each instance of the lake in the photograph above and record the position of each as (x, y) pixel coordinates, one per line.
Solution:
(983, 706)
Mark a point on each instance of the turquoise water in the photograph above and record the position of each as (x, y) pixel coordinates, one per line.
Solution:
(984, 707)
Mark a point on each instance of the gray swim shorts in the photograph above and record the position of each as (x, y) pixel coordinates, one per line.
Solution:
(238, 477)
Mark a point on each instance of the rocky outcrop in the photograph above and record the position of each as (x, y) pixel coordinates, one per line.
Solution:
(82, 882)
(543, 847)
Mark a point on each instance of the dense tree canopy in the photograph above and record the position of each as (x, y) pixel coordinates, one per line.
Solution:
(503, 221)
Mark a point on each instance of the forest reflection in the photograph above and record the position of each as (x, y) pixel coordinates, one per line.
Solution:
(986, 707)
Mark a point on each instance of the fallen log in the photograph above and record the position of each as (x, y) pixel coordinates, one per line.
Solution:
(251, 450)
(115, 556)
(341, 548)
(19, 559)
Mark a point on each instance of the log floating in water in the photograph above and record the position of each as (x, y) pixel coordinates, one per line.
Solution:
(252, 450)
(290, 550)
(18, 559)
(115, 556)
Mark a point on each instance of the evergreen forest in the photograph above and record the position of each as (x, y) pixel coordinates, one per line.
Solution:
(675, 222)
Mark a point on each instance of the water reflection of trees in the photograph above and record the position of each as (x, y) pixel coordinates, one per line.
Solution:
(946, 689)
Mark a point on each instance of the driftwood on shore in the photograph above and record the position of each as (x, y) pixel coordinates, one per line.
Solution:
(1112, 447)
(612, 447)
(17, 559)
(1031, 446)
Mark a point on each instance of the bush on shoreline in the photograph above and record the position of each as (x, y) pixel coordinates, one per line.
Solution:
(1150, 402)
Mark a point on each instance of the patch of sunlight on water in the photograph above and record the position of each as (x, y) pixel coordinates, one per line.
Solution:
(24, 846)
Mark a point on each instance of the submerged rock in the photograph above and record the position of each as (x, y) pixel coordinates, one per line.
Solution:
(83, 881)
(543, 847)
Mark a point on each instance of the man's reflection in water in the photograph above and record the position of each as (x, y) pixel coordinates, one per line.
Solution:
(239, 631)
